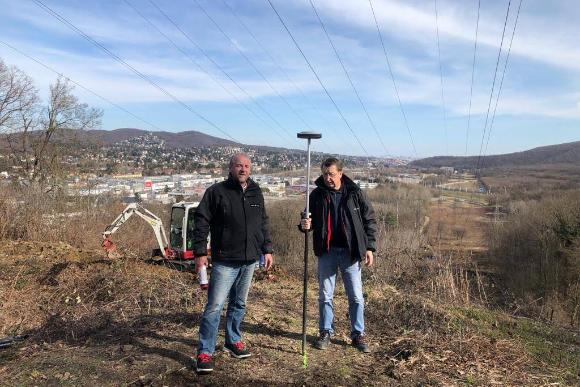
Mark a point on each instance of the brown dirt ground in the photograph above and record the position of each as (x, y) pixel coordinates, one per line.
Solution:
(456, 225)
(92, 320)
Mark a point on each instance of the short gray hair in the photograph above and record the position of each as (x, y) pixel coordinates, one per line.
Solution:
(235, 157)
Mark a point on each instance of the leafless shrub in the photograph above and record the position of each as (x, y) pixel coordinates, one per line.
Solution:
(536, 251)
(287, 239)
(456, 283)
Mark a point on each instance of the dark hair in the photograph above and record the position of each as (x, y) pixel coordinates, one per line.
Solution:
(330, 162)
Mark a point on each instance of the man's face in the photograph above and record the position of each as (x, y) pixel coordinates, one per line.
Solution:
(332, 177)
(240, 170)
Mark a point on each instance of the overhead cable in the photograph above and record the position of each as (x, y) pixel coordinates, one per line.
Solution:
(275, 62)
(441, 77)
(133, 69)
(318, 78)
(393, 79)
(348, 77)
(81, 86)
(492, 87)
(221, 69)
(252, 65)
(501, 84)
(196, 63)
(472, 78)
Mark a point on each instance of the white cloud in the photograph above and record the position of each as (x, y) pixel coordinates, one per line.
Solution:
(537, 37)
(408, 25)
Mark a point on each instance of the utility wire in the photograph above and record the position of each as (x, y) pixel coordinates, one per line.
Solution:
(501, 84)
(275, 62)
(348, 76)
(318, 78)
(39, 62)
(252, 65)
(393, 79)
(133, 69)
(472, 78)
(492, 87)
(196, 63)
(441, 77)
(221, 69)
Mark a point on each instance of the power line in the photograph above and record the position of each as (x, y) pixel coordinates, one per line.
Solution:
(493, 86)
(501, 83)
(348, 76)
(271, 57)
(133, 69)
(441, 77)
(252, 65)
(80, 85)
(318, 78)
(393, 79)
(196, 63)
(205, 54)
(472, 78)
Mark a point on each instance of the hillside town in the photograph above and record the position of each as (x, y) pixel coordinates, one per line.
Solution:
(145, 168)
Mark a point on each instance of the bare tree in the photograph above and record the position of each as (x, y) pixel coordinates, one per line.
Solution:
(38, 136)
(17, 92)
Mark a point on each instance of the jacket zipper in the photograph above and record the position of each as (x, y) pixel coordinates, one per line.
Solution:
(246, 224)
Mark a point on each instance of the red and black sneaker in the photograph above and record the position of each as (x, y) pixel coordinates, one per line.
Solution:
(238, 350)
(204, 363)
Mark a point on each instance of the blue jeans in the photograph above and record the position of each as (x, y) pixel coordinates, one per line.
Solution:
(228, 280)
(328, 264)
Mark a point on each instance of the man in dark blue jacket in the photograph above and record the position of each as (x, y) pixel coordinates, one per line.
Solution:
(234, 212)
(344, 227)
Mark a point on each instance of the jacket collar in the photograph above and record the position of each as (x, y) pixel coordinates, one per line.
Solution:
(230, 182)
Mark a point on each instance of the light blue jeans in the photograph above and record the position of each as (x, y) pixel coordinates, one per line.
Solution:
(328, 265)
(228, 280)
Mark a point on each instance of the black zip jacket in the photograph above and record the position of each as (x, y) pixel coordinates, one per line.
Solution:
(237, 220)
(358, 221)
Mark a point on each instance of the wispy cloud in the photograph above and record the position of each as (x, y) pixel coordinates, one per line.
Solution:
(542, 78)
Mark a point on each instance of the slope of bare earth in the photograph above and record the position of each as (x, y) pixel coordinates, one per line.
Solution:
(93, 320)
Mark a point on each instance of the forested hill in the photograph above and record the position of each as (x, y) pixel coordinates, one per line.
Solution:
(568, 153)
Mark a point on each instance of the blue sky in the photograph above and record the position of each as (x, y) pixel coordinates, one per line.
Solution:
(539, 103)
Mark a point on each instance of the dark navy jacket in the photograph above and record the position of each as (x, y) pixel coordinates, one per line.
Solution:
(237, 220)
(358, 220)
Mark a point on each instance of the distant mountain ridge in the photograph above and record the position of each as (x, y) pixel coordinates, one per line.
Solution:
(567, 153)
(187, 139)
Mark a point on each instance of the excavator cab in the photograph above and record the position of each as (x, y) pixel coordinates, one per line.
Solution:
(181, 232)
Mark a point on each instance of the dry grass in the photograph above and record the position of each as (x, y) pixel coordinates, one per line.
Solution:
(93, 320)
(117, 321)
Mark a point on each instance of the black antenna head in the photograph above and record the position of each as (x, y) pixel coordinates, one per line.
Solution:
(309, 135)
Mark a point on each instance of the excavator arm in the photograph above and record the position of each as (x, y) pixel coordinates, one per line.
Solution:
(148, 216)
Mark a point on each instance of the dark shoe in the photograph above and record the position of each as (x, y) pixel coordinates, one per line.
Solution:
(360, 343)
(323, 340)
(204, 363)
(238, 350)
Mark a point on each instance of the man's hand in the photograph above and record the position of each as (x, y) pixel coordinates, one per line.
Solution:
(199, 262)
(268, 261)
(369, 259)
(305, 223)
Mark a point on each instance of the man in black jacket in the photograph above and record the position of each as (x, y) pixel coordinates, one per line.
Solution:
(343, 224)
(233, 211)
